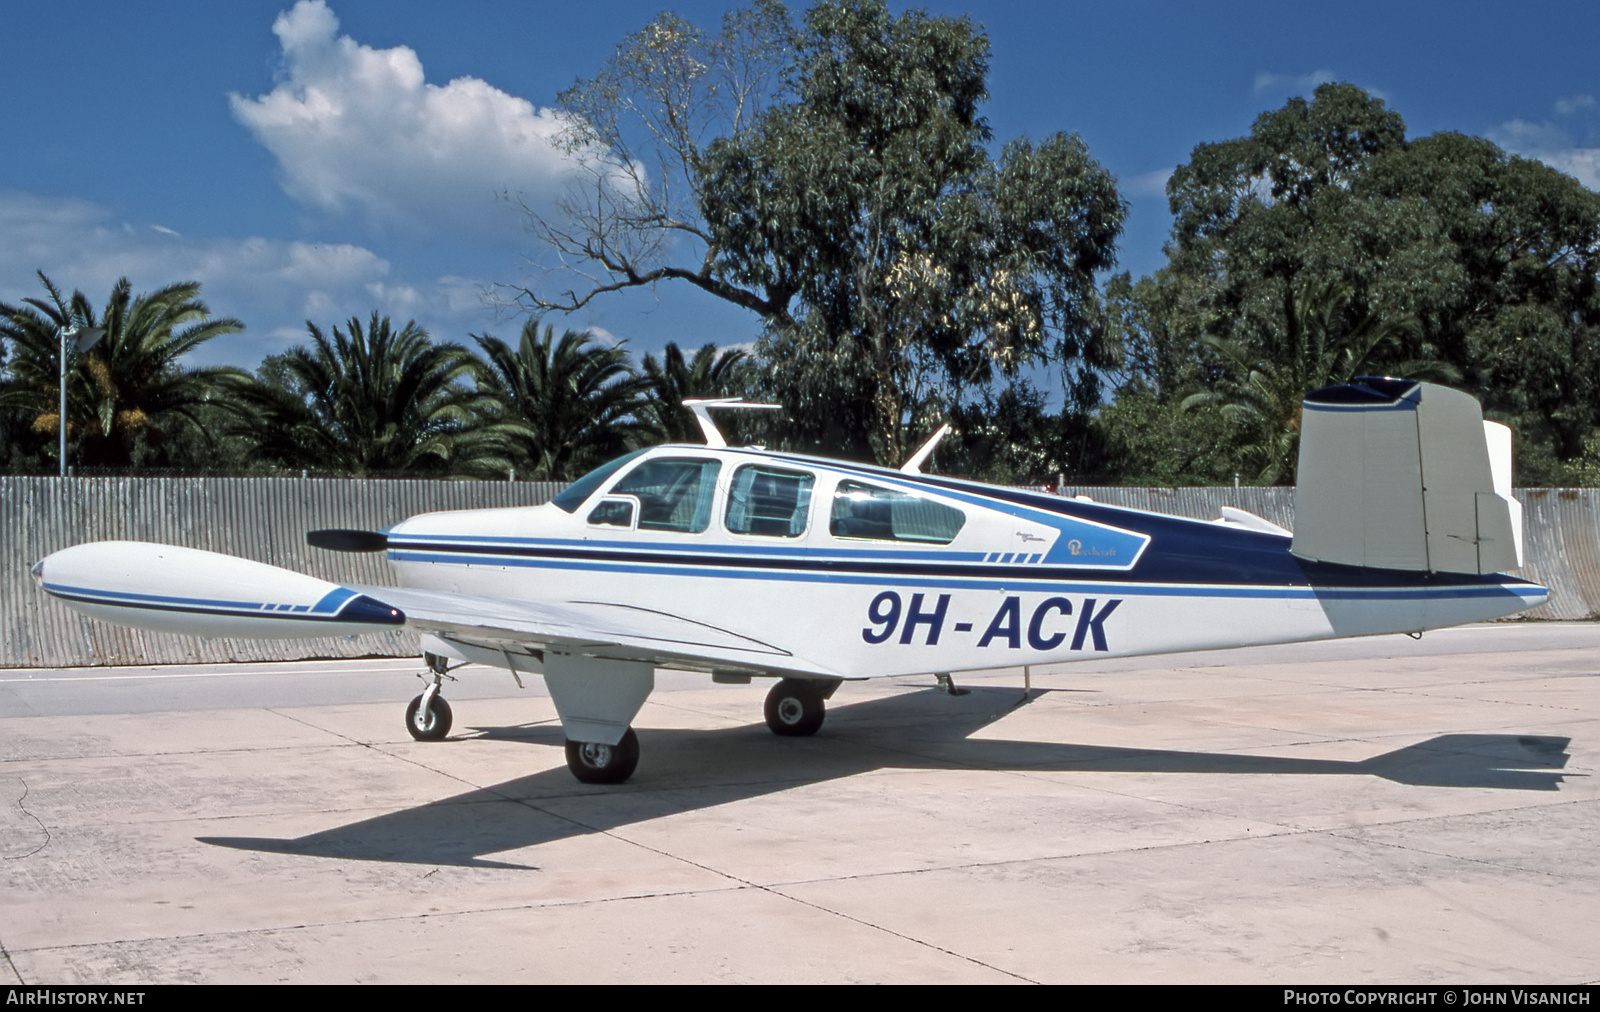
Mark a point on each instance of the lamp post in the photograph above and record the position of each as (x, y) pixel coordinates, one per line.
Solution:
(83, 338)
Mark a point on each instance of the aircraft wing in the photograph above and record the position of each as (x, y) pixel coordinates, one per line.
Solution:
(591, 628)
(184, 590)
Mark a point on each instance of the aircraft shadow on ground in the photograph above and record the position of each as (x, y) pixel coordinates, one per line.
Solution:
(690, 770)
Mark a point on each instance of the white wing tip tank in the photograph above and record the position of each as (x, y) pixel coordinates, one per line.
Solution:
(205, 594)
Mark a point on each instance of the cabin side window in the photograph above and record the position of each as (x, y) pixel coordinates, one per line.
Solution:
(674, 494)
(614, 511)
(769, 501)
(882, 514)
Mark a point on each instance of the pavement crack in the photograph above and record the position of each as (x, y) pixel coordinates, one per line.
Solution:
(42, 827)
(10, 965)
(899, 934)
(774, 891)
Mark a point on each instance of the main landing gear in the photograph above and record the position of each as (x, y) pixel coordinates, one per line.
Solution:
(594, 763)
(428, 716)
(596, 696)
(795, 706)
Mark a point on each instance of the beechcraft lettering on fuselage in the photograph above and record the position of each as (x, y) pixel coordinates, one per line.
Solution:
(747, 563)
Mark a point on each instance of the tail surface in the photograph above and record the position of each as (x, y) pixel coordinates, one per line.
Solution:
(1400, 474)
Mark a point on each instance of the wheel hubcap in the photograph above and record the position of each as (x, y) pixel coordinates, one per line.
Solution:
(790, 711)
(595, 755)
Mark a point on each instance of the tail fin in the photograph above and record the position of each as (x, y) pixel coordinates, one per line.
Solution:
(1399, 474)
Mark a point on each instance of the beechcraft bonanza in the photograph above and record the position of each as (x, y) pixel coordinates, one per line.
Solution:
(747, 563)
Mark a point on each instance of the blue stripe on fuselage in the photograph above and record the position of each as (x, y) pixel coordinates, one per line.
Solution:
(1351, 584)
(1174, 551)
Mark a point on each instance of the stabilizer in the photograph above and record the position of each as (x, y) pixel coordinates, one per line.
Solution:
(1400, 474)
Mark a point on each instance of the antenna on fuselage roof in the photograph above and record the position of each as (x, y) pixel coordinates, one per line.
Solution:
(702, 414)
(913, 464)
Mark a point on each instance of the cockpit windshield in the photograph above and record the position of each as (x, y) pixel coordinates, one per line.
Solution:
(573, 496)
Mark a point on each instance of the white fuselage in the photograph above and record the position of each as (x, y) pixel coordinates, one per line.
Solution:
(858, 572)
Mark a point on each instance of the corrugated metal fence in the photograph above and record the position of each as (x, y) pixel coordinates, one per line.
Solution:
(256, 518)
(266, 519)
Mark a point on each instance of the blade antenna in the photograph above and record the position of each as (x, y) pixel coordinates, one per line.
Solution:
(701, 407)
(913, 465)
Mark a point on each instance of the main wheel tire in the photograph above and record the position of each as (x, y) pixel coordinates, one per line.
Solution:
(795, 708)
(594, 763)
(430, 726)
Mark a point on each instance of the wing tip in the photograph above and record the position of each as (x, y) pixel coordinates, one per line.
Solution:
(371, 611)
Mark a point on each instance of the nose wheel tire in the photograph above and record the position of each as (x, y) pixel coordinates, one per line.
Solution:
(595, 763)
(795, 708)
(432, 725)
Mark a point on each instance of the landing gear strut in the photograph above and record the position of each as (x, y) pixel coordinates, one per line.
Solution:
(428, 716)
(594, 763)
(795, 706)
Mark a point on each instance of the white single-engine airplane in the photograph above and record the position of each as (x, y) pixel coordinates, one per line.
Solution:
(748, 563)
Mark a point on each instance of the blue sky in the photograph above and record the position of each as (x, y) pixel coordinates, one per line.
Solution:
(186, 140)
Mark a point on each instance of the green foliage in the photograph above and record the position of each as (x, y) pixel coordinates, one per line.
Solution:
(1313, 343)
(562, 407)
(825, 390)
(1012, 438)
(129, 400)
(896, 263)
(368, 402)
(1149, 440)
(1481, 267)
(674, 379)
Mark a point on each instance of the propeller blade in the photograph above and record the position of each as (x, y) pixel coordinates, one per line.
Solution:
(337, 539)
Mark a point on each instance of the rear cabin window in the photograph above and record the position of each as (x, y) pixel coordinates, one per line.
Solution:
(674, 494)
(882, 514)
(769, 501)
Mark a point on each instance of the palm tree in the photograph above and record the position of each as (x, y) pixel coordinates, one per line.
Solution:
(674, 380)
(127, 396)
(1309, 347)
(564, 405)
(369, 401)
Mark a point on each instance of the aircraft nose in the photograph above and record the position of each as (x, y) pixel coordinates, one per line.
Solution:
(37, 572)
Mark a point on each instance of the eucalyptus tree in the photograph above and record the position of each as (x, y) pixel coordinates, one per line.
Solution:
(561, 406)
(369, 402)
(1494, 257)
(836, 180)
(129, 397)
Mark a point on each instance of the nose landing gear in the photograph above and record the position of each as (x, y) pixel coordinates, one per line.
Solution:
(428, 716)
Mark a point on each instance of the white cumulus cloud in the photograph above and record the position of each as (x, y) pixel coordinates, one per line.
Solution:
(1302, 85)
(1149, 184)
(272, 285)
(1574, 104)
(360, 131)
(1582, 164)
(1552, 141)
(1292, 84)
